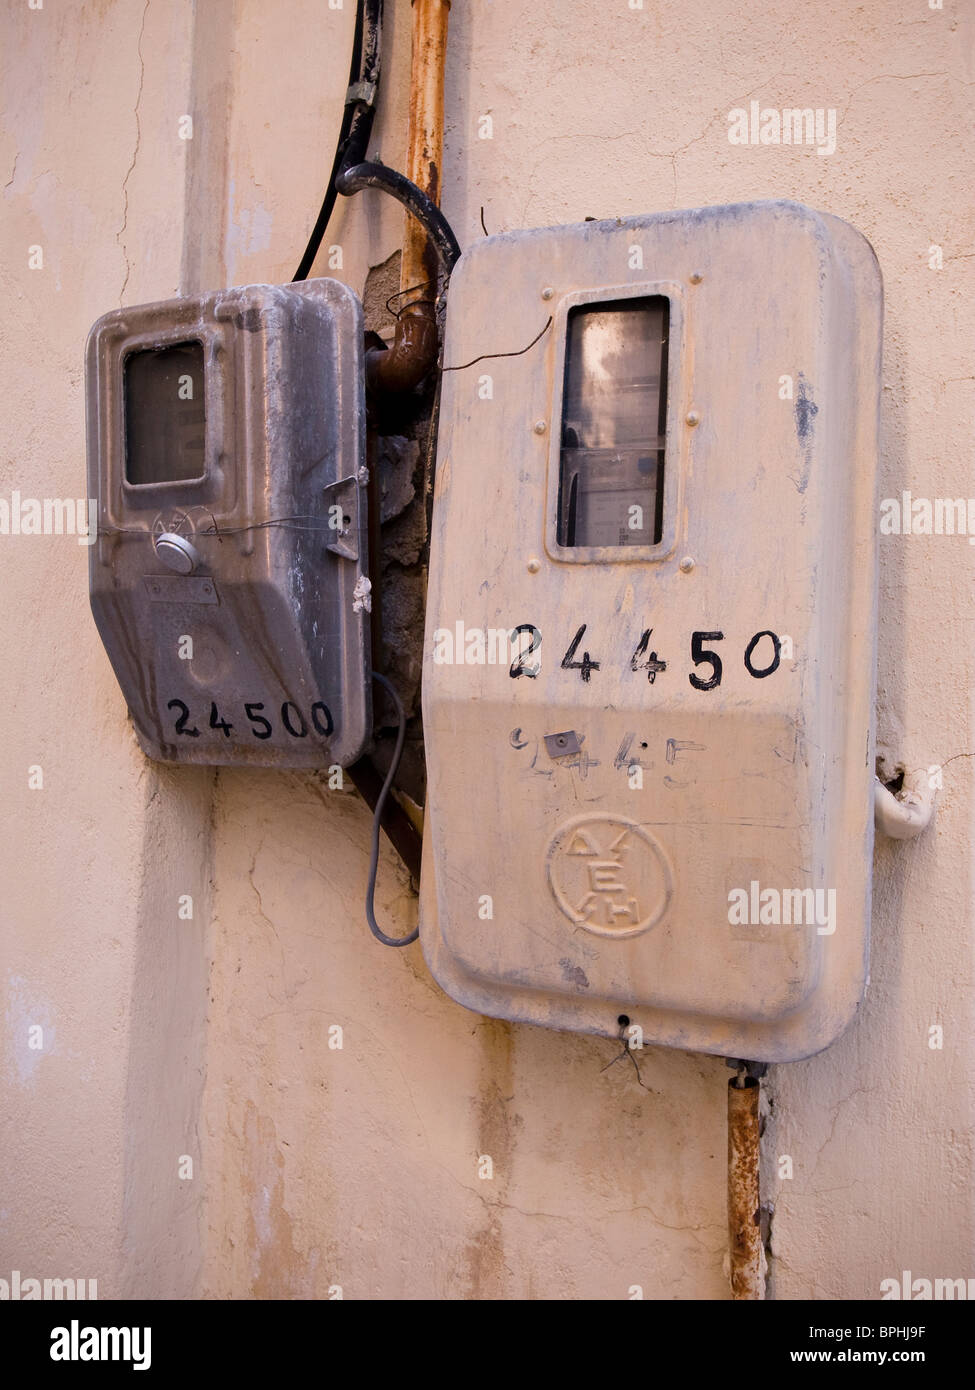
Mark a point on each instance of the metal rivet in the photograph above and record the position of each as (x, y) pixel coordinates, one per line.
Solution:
(687, 564)
(540, 426)
(692, 417)
(534, 565)
(547, 292)
(696, 277)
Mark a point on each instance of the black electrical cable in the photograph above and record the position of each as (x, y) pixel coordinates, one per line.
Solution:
(350, 170)
(350, 173)
(374, 927)
(519, 352)
(357, 118)
(424, 209)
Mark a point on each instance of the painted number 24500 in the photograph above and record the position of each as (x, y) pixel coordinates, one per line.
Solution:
(261, 726)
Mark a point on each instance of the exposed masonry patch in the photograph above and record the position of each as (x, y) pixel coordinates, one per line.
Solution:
(403, 456)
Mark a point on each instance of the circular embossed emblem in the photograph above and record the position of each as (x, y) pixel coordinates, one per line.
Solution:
(177, 522)
(609, 875)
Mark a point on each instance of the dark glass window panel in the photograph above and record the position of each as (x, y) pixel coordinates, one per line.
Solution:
(614, 415)
(165, 415)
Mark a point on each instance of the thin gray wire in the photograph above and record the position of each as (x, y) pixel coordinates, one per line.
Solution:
(374, 927)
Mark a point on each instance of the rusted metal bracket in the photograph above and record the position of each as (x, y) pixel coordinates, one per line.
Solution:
(345, 494)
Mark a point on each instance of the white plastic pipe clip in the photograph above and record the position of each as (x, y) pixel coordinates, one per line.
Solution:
(907, 814)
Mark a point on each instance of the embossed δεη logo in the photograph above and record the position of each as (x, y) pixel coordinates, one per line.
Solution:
(174, 523)
(609, 875)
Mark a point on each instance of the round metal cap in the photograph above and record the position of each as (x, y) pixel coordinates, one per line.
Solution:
(176, 552)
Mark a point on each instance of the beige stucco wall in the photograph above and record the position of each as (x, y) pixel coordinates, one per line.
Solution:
(315, 1167)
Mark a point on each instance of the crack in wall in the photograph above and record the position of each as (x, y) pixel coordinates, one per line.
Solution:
(135, 155)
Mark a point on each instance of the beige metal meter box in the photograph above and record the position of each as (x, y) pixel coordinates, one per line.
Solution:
(650, 648)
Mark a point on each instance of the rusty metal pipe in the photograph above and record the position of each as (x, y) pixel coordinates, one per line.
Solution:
(747, 1268)
(406, 362)
(414, 348)
(424, 156)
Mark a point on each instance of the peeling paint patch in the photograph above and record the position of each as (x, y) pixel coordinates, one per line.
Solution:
(496, 1128)
(254, 227)
(276, 1268)
(30, 1031)
(573, 974)
(248, 231)
(806, 411)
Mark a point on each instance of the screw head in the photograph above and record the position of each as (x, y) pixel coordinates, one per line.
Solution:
(534, 565)
(547, 292)
(692, 417)
(540, 427)
(687, 563)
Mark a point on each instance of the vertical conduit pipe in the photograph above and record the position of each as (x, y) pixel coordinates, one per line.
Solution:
(747, 1269)
(424, 156)
(414, 348)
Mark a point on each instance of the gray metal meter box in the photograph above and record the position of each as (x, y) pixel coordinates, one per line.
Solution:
(649, 662)
(228, 580)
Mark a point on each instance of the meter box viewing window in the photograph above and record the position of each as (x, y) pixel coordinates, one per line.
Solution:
(613, 421)
(228, 580)
(652, 814)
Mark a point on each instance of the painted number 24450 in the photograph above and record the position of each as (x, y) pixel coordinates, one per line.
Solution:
(702, 654)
